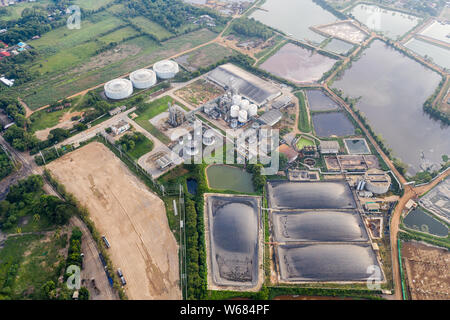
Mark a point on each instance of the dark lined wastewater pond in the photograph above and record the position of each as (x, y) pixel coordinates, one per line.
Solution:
(421, 221)
(233, 233)
(332, 124)
(326, 262)
(327, 225)
(310, 195)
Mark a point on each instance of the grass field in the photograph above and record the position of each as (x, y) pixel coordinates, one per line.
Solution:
(204, 56)
(151, 27)
(14, 12)
(92, 5)
(150, 110)
(303, 142)
(118, 35)
(141, 148)
(69, 78)
(41, 120)
(28, 261)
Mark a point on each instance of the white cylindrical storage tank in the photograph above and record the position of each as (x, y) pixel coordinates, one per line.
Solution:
(237, 99)
(377, 181)
(166, 69)
(242, 116)
(234, 111)
(245, 104)
(233, 123)
(252, 110)
(143, 78)
(118, 89)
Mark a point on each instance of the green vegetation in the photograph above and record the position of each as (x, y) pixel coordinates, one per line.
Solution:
(251, 28)
(6, 165)
(303, 119)
(304, 142)
(259, 180)
(135, 144)
(147, 111)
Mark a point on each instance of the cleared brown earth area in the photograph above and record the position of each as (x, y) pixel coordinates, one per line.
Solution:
(131, 217)
(428, 271)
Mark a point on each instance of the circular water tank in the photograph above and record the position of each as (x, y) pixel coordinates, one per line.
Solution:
(166, 69)
(252, 110)
(242, 116)
(245, 104)
(237, 99)
(377, 181)
(118, 89)
(234, 111)
(143, 78)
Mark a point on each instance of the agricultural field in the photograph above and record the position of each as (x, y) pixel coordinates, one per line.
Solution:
(204, 56)
(92, 5)
(68, 79)
(199, 92)
(151, 27)
(129, 215)
(14, 12)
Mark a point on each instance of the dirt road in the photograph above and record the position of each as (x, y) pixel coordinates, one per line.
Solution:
(410, 193)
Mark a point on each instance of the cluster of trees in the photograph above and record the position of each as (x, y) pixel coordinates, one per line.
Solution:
(129, 141)
(13, 67)
(195, 237)
(19, 138)
(27, 198)
(14, 110)
(259, 180)
(6, 165)
(251, 28)
(172, 15)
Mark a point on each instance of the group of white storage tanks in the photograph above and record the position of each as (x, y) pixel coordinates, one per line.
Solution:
(140, 79)
(242, 109)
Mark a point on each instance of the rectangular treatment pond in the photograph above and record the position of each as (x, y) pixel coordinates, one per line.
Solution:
(327, 262)
(318, 225)
(310, 195)
(233, 239)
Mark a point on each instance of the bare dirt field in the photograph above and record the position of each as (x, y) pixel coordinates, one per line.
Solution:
(131, 217)
(199, 92)
(427, 271)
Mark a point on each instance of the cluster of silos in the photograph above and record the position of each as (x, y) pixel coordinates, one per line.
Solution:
(118, 89)
(166, 69)
(242, 110)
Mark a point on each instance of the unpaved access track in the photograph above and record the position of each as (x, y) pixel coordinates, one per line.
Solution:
(131, 217)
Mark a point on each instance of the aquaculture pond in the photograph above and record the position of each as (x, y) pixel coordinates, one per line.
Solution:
(310, 195)
(223, 177)
(391, 23)
(332, 124)
(339, 46)
(326, 262)
(421, 221)
(294, 17)
(392, 89)
(319, 101)
(438, 31)
(439, 55)
(233, 234)
(318, 225)
(298, 64)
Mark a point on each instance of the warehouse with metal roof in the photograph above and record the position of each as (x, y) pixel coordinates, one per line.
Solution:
(246, 84)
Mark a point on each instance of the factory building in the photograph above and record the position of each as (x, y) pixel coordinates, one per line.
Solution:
(253, 88)
(271, 117)
(118, 89)
(120, 127)
(143, 78)
(166, 69)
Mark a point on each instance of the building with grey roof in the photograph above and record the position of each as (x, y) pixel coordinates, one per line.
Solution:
(246, 84)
